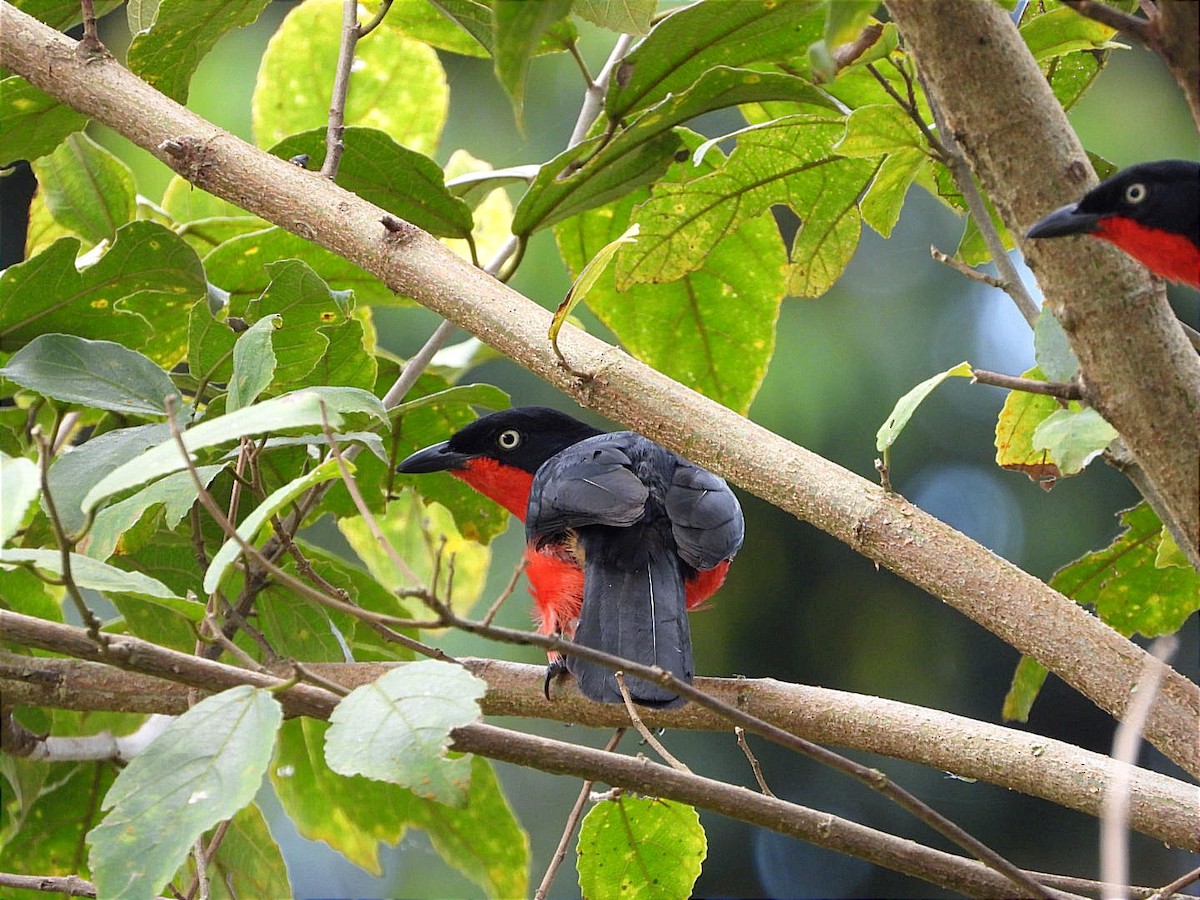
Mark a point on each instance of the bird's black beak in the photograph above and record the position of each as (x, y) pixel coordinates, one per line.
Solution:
(1061, 222)
(438, 458)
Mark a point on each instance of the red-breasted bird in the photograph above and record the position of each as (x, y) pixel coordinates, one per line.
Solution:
(622, 536)
(1151, 211)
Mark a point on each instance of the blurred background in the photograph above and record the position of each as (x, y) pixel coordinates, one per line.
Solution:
(798, 605)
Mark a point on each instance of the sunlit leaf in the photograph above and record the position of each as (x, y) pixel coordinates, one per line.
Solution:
(1128, 589)
(87, 572)
(19, 485)
(640, 848)
(397, 85)
(86, 188)
(621, 16)
(1073, 437)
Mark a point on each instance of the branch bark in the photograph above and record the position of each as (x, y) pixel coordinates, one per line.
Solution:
(1017, 607)
(1160, 807)
(1139, 369)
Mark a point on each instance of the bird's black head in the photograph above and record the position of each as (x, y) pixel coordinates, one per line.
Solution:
(1163, 195)
(524, 437)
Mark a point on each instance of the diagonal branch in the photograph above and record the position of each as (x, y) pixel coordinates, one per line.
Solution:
(1014, 605)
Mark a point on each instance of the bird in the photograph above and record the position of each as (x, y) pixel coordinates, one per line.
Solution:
(623, 537)
(1151, 211)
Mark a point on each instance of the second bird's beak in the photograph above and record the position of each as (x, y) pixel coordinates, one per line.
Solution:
(1062, 222)
(438, 458)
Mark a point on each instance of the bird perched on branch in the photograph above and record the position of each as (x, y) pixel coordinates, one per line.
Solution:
(622, 536)
(1151, 211)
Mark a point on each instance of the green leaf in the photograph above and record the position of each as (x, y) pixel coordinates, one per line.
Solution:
(253, 523)
(73, 474)
(354, 815)
(597, 171)
(62, 14)
(585, 281)
(896, 421)
(183, 32)
(397, 85)
(248, 863)
(304, 409)
(87, 189)
(346, 361)
(20, 486)
(640, 848)
(239, 267)
(686, 43)
(486, 395)
(1060, 31)
(1027, 682)
(305, 305)
(713, 330)
(845, 19)
(518, 27)
(32, 123)
(881, 205)
(402, 181)
(210, 345)
(1073, 437)
(203, 768)
(788, 161)
(417, 531)
(397, 729)
(1052, 349)
(1168, 553)
(88, 573)
(877, 129)
(1128, 589)
(99, 374)
(473, 18)
(147, 264)
(621, 16)
(176, 493)
(253, 362)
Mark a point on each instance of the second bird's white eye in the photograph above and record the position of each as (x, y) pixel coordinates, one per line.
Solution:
(508, 439)
(1135, 193)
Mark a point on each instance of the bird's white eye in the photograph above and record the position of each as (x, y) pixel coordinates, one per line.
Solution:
(508, 439)
(1135, 193)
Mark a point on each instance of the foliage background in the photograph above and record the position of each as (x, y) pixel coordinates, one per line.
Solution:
(799, 605)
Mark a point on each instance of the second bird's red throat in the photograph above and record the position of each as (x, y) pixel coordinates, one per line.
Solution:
(507, 485)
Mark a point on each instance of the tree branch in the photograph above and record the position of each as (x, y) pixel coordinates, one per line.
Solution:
(1017, 607)
(1160, 807)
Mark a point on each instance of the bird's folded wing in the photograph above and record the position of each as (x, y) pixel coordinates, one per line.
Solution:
(589, 483)
(706, 517)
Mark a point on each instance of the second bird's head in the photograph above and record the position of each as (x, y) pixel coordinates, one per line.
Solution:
(498, 454)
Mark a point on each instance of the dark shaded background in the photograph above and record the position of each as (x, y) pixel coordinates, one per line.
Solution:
(798, 606)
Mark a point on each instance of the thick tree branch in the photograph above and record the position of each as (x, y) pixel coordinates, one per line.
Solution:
(1160, 806)
(1138, 368)
(1019, 608)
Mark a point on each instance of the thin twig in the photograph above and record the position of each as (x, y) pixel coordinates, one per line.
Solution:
(1114, 811)
(593, 97)
(341, 89)
(560, 852)
(643, 730)
(965, 179)
(376, 20)
(199, 885)
(1177, 885)
(65, 544)
(1063, 390)
(504, 594)
(312, 677)
(754, 766)
(963, 269)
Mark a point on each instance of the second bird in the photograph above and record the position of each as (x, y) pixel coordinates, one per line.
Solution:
(622, 536)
